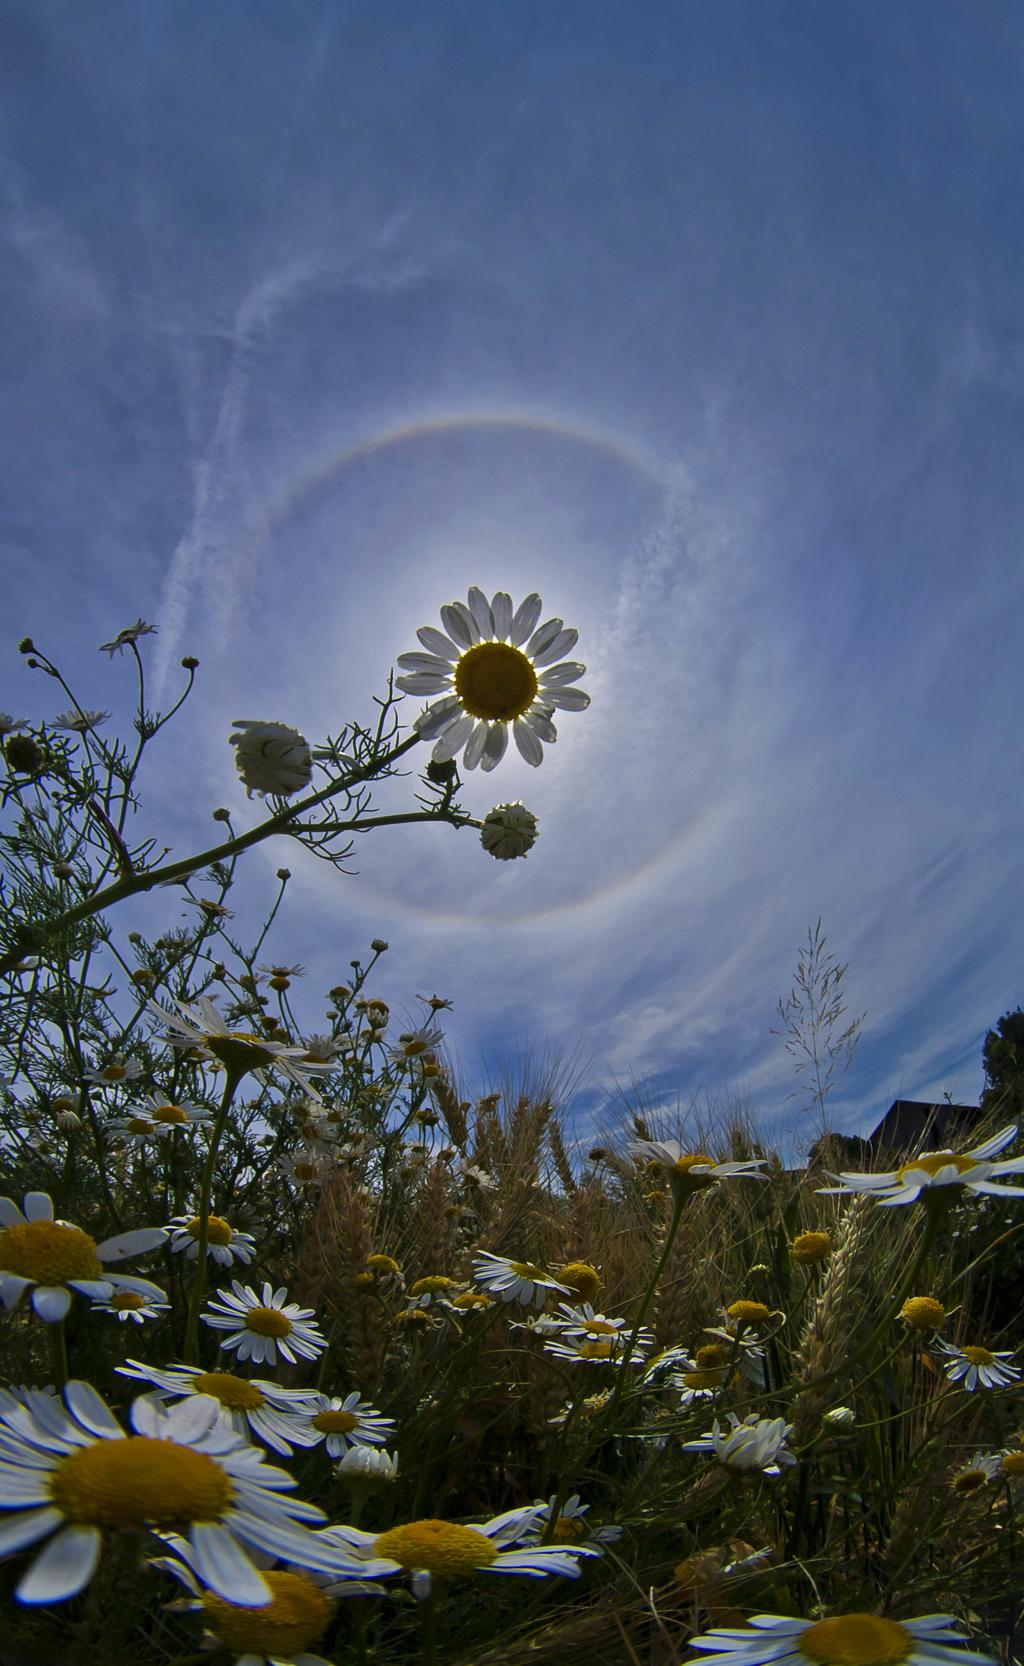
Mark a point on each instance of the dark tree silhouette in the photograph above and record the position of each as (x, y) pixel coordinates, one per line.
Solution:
(1003, 1056)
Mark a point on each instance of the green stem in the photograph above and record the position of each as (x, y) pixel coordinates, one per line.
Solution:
(233, 1077)
(428, 1621)
(59, 1354)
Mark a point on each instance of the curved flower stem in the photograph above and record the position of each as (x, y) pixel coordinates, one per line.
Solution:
(232, 1079)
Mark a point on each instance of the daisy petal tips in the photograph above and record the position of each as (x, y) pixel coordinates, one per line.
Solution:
(488, 669)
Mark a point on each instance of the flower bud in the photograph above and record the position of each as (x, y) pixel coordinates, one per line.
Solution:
(508, 831)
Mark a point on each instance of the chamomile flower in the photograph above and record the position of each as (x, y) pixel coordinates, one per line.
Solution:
(939, 1176)
(431, 1548)
(200, 1025)
(115, 1072)
(515, 1281)
(341, 1423)
(753, 1443)
(263, 1326)
(224, 1243)
(130, 1305)
(509, 831)
(975, 1473)
(692, 1171)
(571, 1527)
(844, 1640)
(159, 1118)
(53, 1258)
(597, 1327)
(78, 722)
(973, 1366)
(491, 668)
(413, 1043)
(271, 758)
(71, 1470)
(248, 1404)
(127, 638)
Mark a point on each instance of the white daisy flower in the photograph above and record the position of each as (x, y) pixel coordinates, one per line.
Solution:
(307, 1165)
(571, 1527)
(509, 830)
(116, 1071)
(676, 1358)
(125, 638)
(972, 1366)
(608, 1350)
(443, 1548)
(412, 1043)
(75, 1473)
(129, 1304)
(10, 725)
(753, 1443)
(515, 1281)
(341, 1423)
(844, 1640)
(159, 1118)
(692, 1171)
(52, 1258)
(264, 1326)
(202, 1026)
(223, 1241)
(492, 667)
(939, 1175)
(271, 758)
(247, 1404)
(79, 721)
(275, 1633)
(976, 1472)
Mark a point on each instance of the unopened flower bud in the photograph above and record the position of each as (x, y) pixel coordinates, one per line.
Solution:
(508, 831)
(378, 946)
(189, 662)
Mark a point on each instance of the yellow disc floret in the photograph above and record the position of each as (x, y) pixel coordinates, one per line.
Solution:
(138, 1482)
(127, 1301)
(934, 1161)
(526, 1269)
(923, 1313)
(431, 1286)
(857, 1640)
(978, 1356)
(595, 1350)
(240, 1051)
(335, 1422)
(383, 1264)
(237, 1393)
(1013, 1464)
(168, 1113)
(48, 1252)
(217, 1231)
(495, 681)
(599, 1327)
(749, 1313)
(268, 1321)
(808, 1248)
(298, 1614)
(581, 1277)
(711, 1355)
(441, 1547)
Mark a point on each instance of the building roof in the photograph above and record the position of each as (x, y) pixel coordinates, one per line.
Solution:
(910, 1124)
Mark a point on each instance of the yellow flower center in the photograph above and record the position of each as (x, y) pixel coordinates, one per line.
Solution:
(749, 1313)
(127, 1301)
(138, 1482)
(599, 1327)
(923, 1313)
(113, 1072)
(472, 1298)
(581, 1277)
(712, 1354)
(933, 1161)
(168, 1113)
(304, 1171)
(969, 1480)
(382, 1264)
(978, 1356)
(526, 1269)
(440, 1547)
(298, 1614)
(335, 1422)
(693, 1160)
(568, 1529)
(595, 1350)
(268, 1321)
(217, 1231)
(237, 1393)
(139, 1125)
(856, 1640)
(703, 1379)
(1013, 1463)
(240, 1050)
(432, 1285)
(495, 681)
(808, 1248)
(48, 1252)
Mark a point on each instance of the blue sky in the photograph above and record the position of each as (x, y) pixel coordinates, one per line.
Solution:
(701, 319)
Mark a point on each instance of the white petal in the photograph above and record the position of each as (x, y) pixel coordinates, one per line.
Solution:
(64, 1567)
(424, 682)
(12, 1288)
(480, 608)
(437, 643)
(563, 643)
(569, 699)
(38, 1207)
(526, 616)
(131, 1243)
(221, 1563)
(10, 1214)
(437, 716)
(51, 1302)
(570, 671)
(425, 662)
(501, 613)
(22, 1484)
(991, 1186)
(454, 738)
(528, 744)
(475, 746)
(494, 750)
(541, 724)
(998, 1142)
(26, 1527)
(90, 1410)
(458, 622)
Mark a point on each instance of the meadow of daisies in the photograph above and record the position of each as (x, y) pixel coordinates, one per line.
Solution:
(301, 1347)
